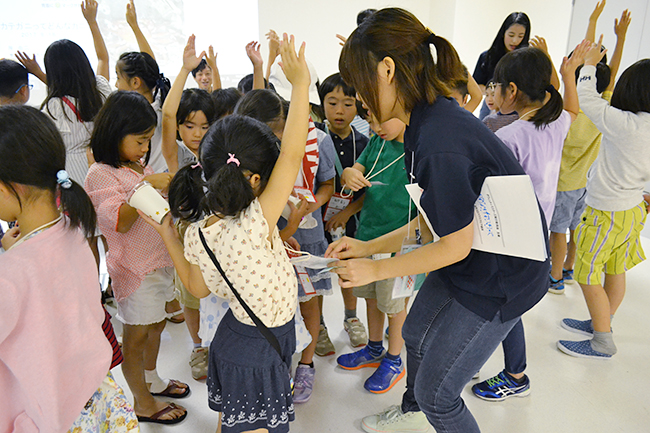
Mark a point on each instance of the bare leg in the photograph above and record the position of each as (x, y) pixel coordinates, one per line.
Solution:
(599, 307)
(311, 313)
(152, 345)
(615, 289)
(349, 300)
(558, 254)
(395, 340)
(173, 306)
(375, 321)
(193, 321)
(571, 252)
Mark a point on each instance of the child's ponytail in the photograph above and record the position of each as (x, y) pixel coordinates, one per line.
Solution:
(186, 193)
(145, 67)
(32, 153)
(228, 190)
(551, 110)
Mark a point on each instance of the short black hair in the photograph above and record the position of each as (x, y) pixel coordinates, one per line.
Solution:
(330, 84)
(123, 113)
(12, 76)
(245, 85)
(262, 104)
(195, 100)
(199, 68)
(225, 101)
(632, 91)
(361, 16)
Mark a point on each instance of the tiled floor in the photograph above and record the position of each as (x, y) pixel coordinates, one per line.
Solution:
(568, 394)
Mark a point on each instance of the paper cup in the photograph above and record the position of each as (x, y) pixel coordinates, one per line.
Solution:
(145, 198)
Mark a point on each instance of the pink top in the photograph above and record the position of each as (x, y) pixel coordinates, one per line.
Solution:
(133, 254)
(53, 352)
(539, 151)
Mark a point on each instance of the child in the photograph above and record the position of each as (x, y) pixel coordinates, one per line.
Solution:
(580, 151)
(268, 107)
(51, 319)
(247, 186)
(386, 207)
(340, 106)
(14, 83)
(139, 266)
(496, 120)
(225, 101)
(614, 201)
(523, 80)
(466, 92)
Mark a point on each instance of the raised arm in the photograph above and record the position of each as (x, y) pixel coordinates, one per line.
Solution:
(294, 139)
(211, 60)
(132, 19)
(253, 53)
(475, 94)
(89, 11)
(540, 43)
(568, 71)
(31, 65)
(620, 28)
(274, 51)
(170, 107)
(593, 21)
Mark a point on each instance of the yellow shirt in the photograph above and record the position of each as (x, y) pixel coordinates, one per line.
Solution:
(580, 151)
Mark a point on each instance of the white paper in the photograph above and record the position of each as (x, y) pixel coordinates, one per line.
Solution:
(506, 218)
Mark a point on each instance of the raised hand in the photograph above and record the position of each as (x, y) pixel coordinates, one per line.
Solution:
(539, 43)
(254, 54)
(342, 39)
(190, 59)
(211, 58)
(294, 65)
(89, 10)
(131, 16)
(597, 11)
(620, 26)
(577, 58)
(274, 43)
(31, 65)
(595, 53)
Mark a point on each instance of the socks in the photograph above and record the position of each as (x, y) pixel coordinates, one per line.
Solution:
(515, 380)
(395, 359)
(375, 348)
(349, 314)
(197, 345)
(311, 364)
(157, 384)
(603, 342)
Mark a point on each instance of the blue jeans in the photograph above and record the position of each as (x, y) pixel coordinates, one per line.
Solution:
(485, 111)
(514, 349)
(446, 345)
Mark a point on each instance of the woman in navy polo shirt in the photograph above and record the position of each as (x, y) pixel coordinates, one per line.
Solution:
(472, 300)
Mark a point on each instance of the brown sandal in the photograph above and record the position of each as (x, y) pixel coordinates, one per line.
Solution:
(173, 386)
(156, 417)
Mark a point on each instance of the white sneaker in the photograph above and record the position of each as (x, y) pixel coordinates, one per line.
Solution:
(356, 331)
(393, 420)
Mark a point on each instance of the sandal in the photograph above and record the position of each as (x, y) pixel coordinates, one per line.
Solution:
(176, 317)
(155, 418)
(173, 386)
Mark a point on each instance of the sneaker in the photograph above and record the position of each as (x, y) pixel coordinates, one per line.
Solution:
(501, 387)
(567, 275)
(356, 331)
(324, 346)
(579, 326)
(359, 359)
(556, 286)
(393, 420)
(199, 363)
(303, 383)
(581, 349)
(385, 377)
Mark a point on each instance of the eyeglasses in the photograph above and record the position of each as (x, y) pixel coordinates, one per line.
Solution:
(29, 86)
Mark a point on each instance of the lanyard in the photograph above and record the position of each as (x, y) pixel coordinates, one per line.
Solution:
(36, 231)
(383, 143)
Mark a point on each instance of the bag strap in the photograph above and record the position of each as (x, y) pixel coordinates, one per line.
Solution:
(266, 332)
(72, 107)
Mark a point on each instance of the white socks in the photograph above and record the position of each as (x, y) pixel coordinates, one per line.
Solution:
(157, 384)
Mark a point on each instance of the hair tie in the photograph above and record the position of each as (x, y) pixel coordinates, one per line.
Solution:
(550, 88)
(432, 38)
(197, 165)
(232, 159)
(63, 179)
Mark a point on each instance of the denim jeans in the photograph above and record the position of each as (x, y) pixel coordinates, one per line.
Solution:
(485, 111)
(446, 345)
(514, 349)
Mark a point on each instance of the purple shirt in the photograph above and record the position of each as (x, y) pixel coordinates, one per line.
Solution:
(539, 151)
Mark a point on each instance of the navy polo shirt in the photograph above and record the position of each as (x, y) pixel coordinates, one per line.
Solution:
(452, 154)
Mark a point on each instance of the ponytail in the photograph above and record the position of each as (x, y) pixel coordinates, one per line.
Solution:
(78, 207)
(145, 67)
(229, 192)
(550, 111)
(186, 193)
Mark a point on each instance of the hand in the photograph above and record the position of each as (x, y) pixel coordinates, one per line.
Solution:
(597, 11)
(190, 59)
(293, 243)
(160, 181)
(89, 10)
(347, 248)
(211, 58)
(341, 38)
(30, 64)
(131, 17)
(294, 65)
(297, 212)
(10, 237)
(274, 43)
(595, 53)
(570, 64)
(253, 53)
(354, 179)
(338, 220)
(357, 272)
(620, 26)
(539, 43)
(166, 228)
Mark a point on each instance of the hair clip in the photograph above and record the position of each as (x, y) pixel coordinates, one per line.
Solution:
(197, 165)
(63, 179)
(232, 159)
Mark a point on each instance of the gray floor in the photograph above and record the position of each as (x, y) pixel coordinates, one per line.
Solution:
(568, 394)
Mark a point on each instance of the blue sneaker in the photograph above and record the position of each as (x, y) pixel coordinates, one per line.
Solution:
(359, 359)
(556, 286)
(303, 383)
(501, 387)
(581, 349)
(579, 326)
(567, 275)
(385, 377)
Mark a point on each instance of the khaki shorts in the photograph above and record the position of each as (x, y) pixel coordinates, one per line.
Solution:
(184, 295)
(383, 292)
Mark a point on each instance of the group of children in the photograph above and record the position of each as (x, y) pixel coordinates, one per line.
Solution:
(252, 173)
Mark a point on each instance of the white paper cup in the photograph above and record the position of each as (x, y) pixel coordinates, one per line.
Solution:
(145, 198)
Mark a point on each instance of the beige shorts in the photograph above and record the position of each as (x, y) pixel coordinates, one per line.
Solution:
(146, 305)
(383, 292)
(184, 295)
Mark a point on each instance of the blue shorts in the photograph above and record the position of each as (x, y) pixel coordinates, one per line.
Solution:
(569, 206)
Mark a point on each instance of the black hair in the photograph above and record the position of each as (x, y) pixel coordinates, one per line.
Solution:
(498, 48)
(225, 101)
(32, 153)
(229, 192)
(124, 113)
(530, 69)
(202, 65)
(145, 67)
(69, 74)
(245, 85)
(262, 104)
(461, 85)
(13, 75)
(632, 91)
(603, 76)
(195, 100)
(330, 84)
(361, 16)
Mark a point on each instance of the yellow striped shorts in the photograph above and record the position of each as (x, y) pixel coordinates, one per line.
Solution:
(608, 242)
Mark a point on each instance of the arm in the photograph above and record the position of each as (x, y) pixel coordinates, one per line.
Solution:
(274, 51)
(294, 139)
(593, 21)
(475, 94)
(568, 71)
(620, 28)
(89, 11)
(170, 107)
(132, 19)
(211, 60)
(297, 214)
(253, 53)
(31, 65)
(322, 195)
(128, 215)
(342, 218)
(540, 43)
(353, 177)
